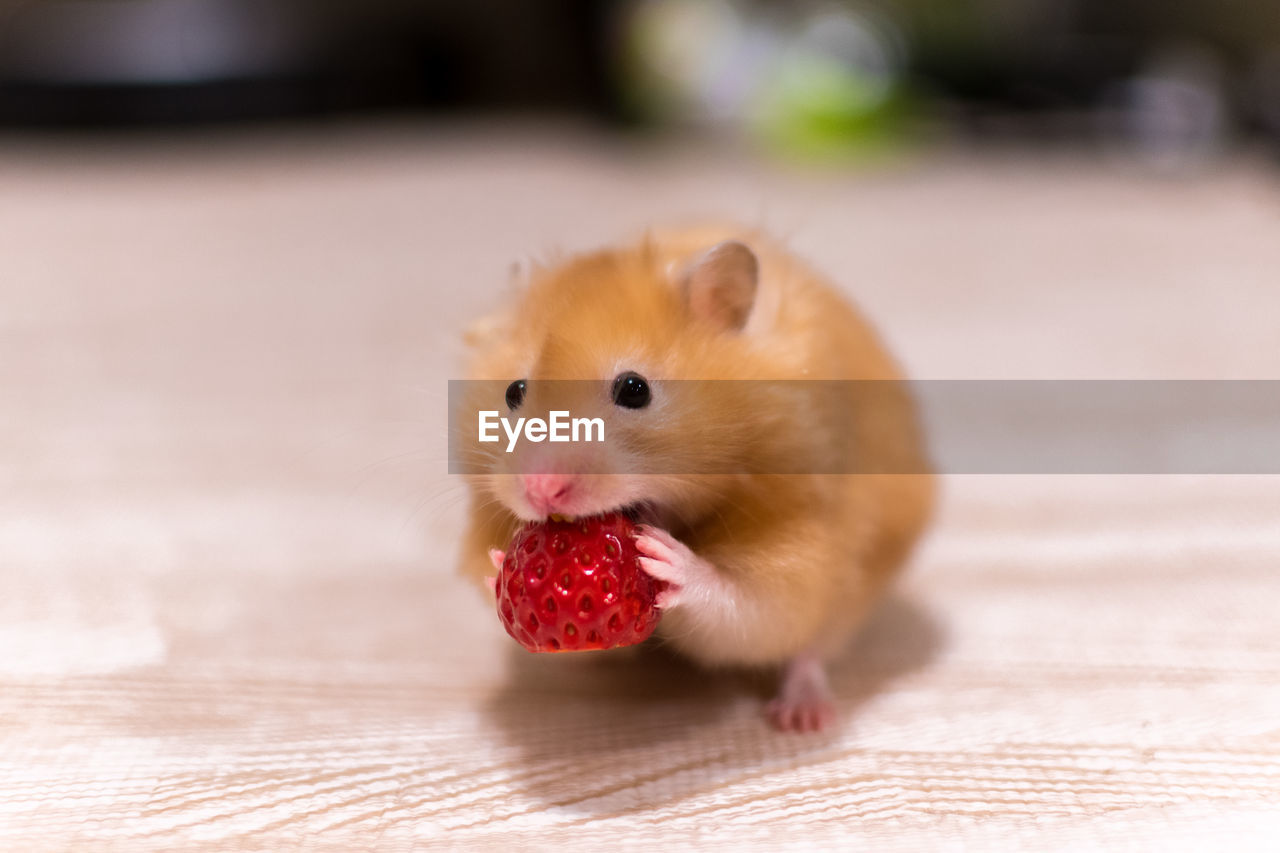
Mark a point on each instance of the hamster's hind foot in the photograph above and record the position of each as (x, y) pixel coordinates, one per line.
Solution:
(804, 702)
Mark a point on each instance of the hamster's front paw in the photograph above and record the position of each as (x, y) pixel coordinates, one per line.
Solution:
(666, 558)
(491, 581)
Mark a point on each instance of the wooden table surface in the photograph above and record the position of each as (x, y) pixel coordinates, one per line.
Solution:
(229, 616)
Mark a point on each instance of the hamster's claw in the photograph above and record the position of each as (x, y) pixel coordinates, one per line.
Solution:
(671, 575)
(668, 559)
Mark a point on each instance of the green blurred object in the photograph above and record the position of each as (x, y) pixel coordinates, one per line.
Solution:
(810, 83)
(815, 108)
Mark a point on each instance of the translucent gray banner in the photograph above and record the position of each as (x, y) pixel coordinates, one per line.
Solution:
(736, 427)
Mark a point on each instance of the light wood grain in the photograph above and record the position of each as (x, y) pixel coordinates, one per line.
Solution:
(226, 539)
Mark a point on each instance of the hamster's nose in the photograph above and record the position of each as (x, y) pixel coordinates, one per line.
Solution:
(547, 493)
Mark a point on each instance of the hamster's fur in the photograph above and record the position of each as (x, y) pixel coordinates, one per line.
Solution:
(765, 569)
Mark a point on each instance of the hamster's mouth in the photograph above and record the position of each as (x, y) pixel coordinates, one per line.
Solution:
(640, 512)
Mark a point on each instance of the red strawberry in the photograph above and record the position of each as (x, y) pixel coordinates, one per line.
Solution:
(576, 585)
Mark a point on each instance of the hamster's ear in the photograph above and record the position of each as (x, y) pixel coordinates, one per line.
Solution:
(720, 286)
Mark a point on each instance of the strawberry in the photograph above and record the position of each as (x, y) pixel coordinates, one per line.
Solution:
(576, 585)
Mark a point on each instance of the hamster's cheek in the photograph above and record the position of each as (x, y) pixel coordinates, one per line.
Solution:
(506, 489)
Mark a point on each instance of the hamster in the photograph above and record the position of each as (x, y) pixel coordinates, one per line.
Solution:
(765, 569)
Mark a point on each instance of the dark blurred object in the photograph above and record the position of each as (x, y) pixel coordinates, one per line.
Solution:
(73, 62)
(1164, 76)
(1170, 78)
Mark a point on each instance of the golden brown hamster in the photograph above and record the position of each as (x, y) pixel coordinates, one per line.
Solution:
(765, 568)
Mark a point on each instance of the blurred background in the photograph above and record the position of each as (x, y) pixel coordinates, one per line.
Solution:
(240, 241)
(1167, 78)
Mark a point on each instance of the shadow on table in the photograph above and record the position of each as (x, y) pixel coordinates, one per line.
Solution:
(611, 732)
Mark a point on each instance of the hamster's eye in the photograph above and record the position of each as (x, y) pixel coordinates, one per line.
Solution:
(515, 394)
(631, 390)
